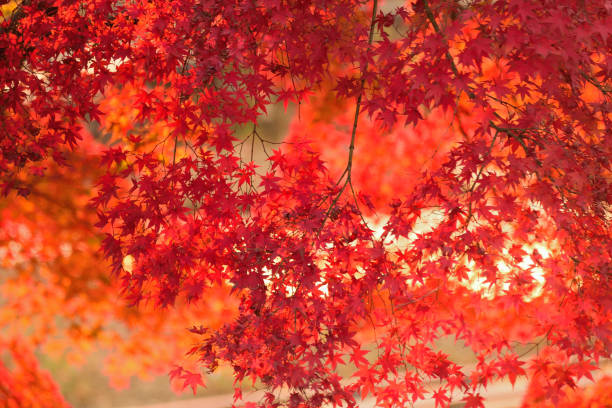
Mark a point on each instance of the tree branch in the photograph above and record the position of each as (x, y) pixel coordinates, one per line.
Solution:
(449, 57)
(349, 165)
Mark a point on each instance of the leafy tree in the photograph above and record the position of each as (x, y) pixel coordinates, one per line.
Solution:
(447, 174)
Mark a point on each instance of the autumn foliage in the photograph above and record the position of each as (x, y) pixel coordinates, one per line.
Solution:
(446, 175)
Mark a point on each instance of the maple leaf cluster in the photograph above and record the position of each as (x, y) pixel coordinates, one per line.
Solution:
(447, 175)
(26, 385)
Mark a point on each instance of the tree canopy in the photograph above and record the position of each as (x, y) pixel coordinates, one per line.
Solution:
(446, 175)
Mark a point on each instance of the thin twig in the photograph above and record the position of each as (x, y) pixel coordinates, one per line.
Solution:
(449, 57)
(349, 165)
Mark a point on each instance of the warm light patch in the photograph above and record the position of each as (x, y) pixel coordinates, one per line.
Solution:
(128, 263)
